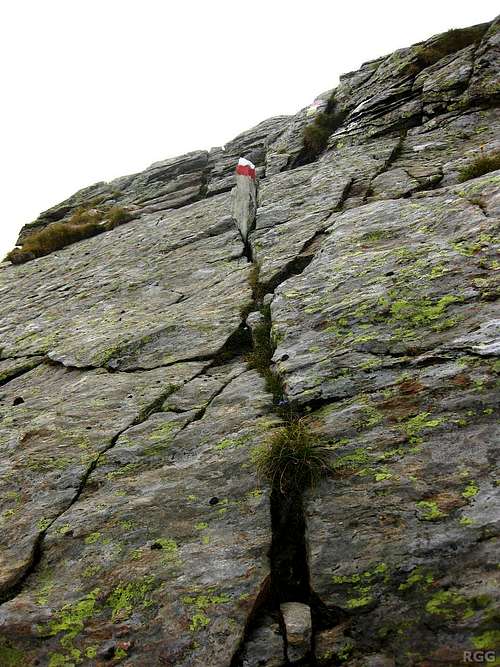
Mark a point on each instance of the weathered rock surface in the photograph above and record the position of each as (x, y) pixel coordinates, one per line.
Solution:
(135, 530)
(264, 645)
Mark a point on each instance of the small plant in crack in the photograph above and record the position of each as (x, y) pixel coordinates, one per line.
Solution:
(293, 458)
(261, 355)
(258, 289)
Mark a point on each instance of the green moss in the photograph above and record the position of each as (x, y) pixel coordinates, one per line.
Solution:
(92, 538)
(467, 249)
(382, 475)
(370, 417)
(167, 544)
(65, 528)
(91, 571)
(61, 660)
(361, 584)
(371, 364)
(43, 593)
(198, 621)
(161, 438)
(255, 493)
(437, 271)
(120, 653)
(126, 597)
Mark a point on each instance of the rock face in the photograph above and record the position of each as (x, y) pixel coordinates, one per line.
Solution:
(134, 527)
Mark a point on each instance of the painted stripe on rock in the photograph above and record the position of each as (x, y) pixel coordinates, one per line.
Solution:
(243, 170)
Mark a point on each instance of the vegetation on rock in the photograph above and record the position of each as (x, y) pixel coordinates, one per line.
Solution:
(480, 166)
(293, 457)
(83, 224)
(316, 134)
(449, 42)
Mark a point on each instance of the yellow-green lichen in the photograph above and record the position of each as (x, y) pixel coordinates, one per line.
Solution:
(201, 603)
(471, 490)
(421, 422)
(69, 622)
(418, 579)
(127, 596)
(430, 511)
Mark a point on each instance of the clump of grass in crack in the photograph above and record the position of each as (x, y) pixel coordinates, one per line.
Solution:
(316, 134)
(293, 458)
(483, 164)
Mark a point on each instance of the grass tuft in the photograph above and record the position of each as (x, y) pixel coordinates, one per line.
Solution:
(316, 134)
(480, 166)
(51, 238)
(116, 216)
(449, 42)
(292, 458)
(83, 224)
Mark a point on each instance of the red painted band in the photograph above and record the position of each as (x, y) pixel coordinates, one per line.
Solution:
(244, 170)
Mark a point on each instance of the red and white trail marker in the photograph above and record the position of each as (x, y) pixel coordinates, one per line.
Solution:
(245, 168)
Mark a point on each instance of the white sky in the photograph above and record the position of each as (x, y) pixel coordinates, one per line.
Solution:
(95, 89)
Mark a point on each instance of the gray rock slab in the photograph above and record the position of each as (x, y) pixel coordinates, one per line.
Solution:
(165, 552)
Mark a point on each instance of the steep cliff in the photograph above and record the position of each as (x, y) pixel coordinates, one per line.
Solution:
(135, 529)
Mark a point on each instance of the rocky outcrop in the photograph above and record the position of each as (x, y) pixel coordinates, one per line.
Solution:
(134, 527)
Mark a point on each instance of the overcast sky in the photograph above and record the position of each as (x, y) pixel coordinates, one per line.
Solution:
(95, 89)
